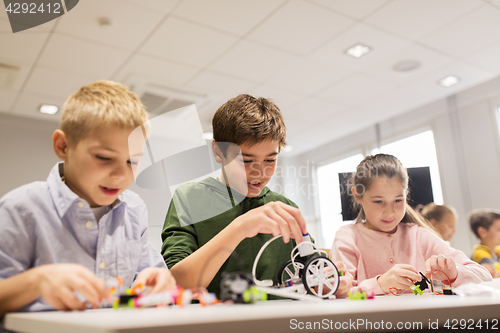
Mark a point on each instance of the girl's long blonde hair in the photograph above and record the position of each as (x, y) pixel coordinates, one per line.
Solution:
(384, 165)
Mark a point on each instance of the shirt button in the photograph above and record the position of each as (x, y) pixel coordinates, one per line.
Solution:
(88, 224)
(391, 261)
(102, 265)
(80, 204)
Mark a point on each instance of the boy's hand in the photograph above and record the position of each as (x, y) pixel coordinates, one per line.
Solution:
(273, 218)
(158, 278)
(494, 273)
(444, 264)
(57, 284)
(400, 276)
(345, 282)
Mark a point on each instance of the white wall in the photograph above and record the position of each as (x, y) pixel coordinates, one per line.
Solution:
(467, 145)
(26, 153)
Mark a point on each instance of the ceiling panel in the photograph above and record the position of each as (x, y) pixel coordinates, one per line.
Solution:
(314, 109)
(233, 16)
(465, 37)
(356, 89)
(328, 129)
(81, 57)
(161, 6)
(282, 97)
(357, 9)
(308, 76)
(22, 46)
(252, 61)
(187, 43)
(211, 82)
(299, 27)
(7, 98)
(156, 71)
(29, 104)
(56, 84)
(382, 44)
(416, 18)
(130, 23)
(487, 58)
(429, 60)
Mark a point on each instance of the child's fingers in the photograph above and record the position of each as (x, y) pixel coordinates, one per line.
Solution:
(431, 263)
(450, 263)
(441, 262)
(68, 298)
(293, 225)
(55, 302)
(282, 225)
(94, 282)
(87, 290)
(295, 212)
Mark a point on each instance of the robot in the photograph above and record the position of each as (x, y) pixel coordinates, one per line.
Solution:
(316, 278)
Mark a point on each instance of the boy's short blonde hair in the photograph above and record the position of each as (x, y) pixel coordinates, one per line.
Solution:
(101, 104)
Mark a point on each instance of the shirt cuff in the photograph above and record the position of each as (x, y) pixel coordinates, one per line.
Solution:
(369, 285)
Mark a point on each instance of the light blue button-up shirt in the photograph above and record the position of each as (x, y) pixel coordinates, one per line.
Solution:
(45, 223)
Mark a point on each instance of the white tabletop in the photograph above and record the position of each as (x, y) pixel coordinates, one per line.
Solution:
(415, 312)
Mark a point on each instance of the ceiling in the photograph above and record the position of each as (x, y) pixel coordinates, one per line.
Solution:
(290, 50)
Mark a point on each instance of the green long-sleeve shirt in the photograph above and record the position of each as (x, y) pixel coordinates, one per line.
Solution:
(199, 211)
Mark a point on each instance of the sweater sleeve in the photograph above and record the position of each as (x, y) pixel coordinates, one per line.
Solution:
(468, 270)
(345, 249)
(178, 234)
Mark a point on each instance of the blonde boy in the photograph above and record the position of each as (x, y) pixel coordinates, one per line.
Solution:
(63, 238)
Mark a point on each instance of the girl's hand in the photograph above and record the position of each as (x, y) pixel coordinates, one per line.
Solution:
(444, 264)
(400, 276)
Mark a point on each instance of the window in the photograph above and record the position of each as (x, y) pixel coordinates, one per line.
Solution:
(418, 151)
(330, 208)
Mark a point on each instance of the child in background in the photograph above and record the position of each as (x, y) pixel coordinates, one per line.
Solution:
(486, 226)
(443, 219)
(390, 243)
(61, 239)
(208, 220)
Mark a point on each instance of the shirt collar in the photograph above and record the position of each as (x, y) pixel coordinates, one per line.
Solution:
(62, 195)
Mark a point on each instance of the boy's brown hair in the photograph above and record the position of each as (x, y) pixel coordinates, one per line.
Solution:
(482, 218)
(98, 104)
(250, 120)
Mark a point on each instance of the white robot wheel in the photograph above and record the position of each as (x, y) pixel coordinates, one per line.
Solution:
(320, 277)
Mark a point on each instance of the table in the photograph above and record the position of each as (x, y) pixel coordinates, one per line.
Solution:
(410, 311)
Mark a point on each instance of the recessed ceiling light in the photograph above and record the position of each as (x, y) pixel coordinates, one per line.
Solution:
(287, 149)
(358, 50)
(406, 66)
(48, 109)
(209, 136)
(449, 81)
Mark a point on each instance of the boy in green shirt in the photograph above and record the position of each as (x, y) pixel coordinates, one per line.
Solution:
(208, 220)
